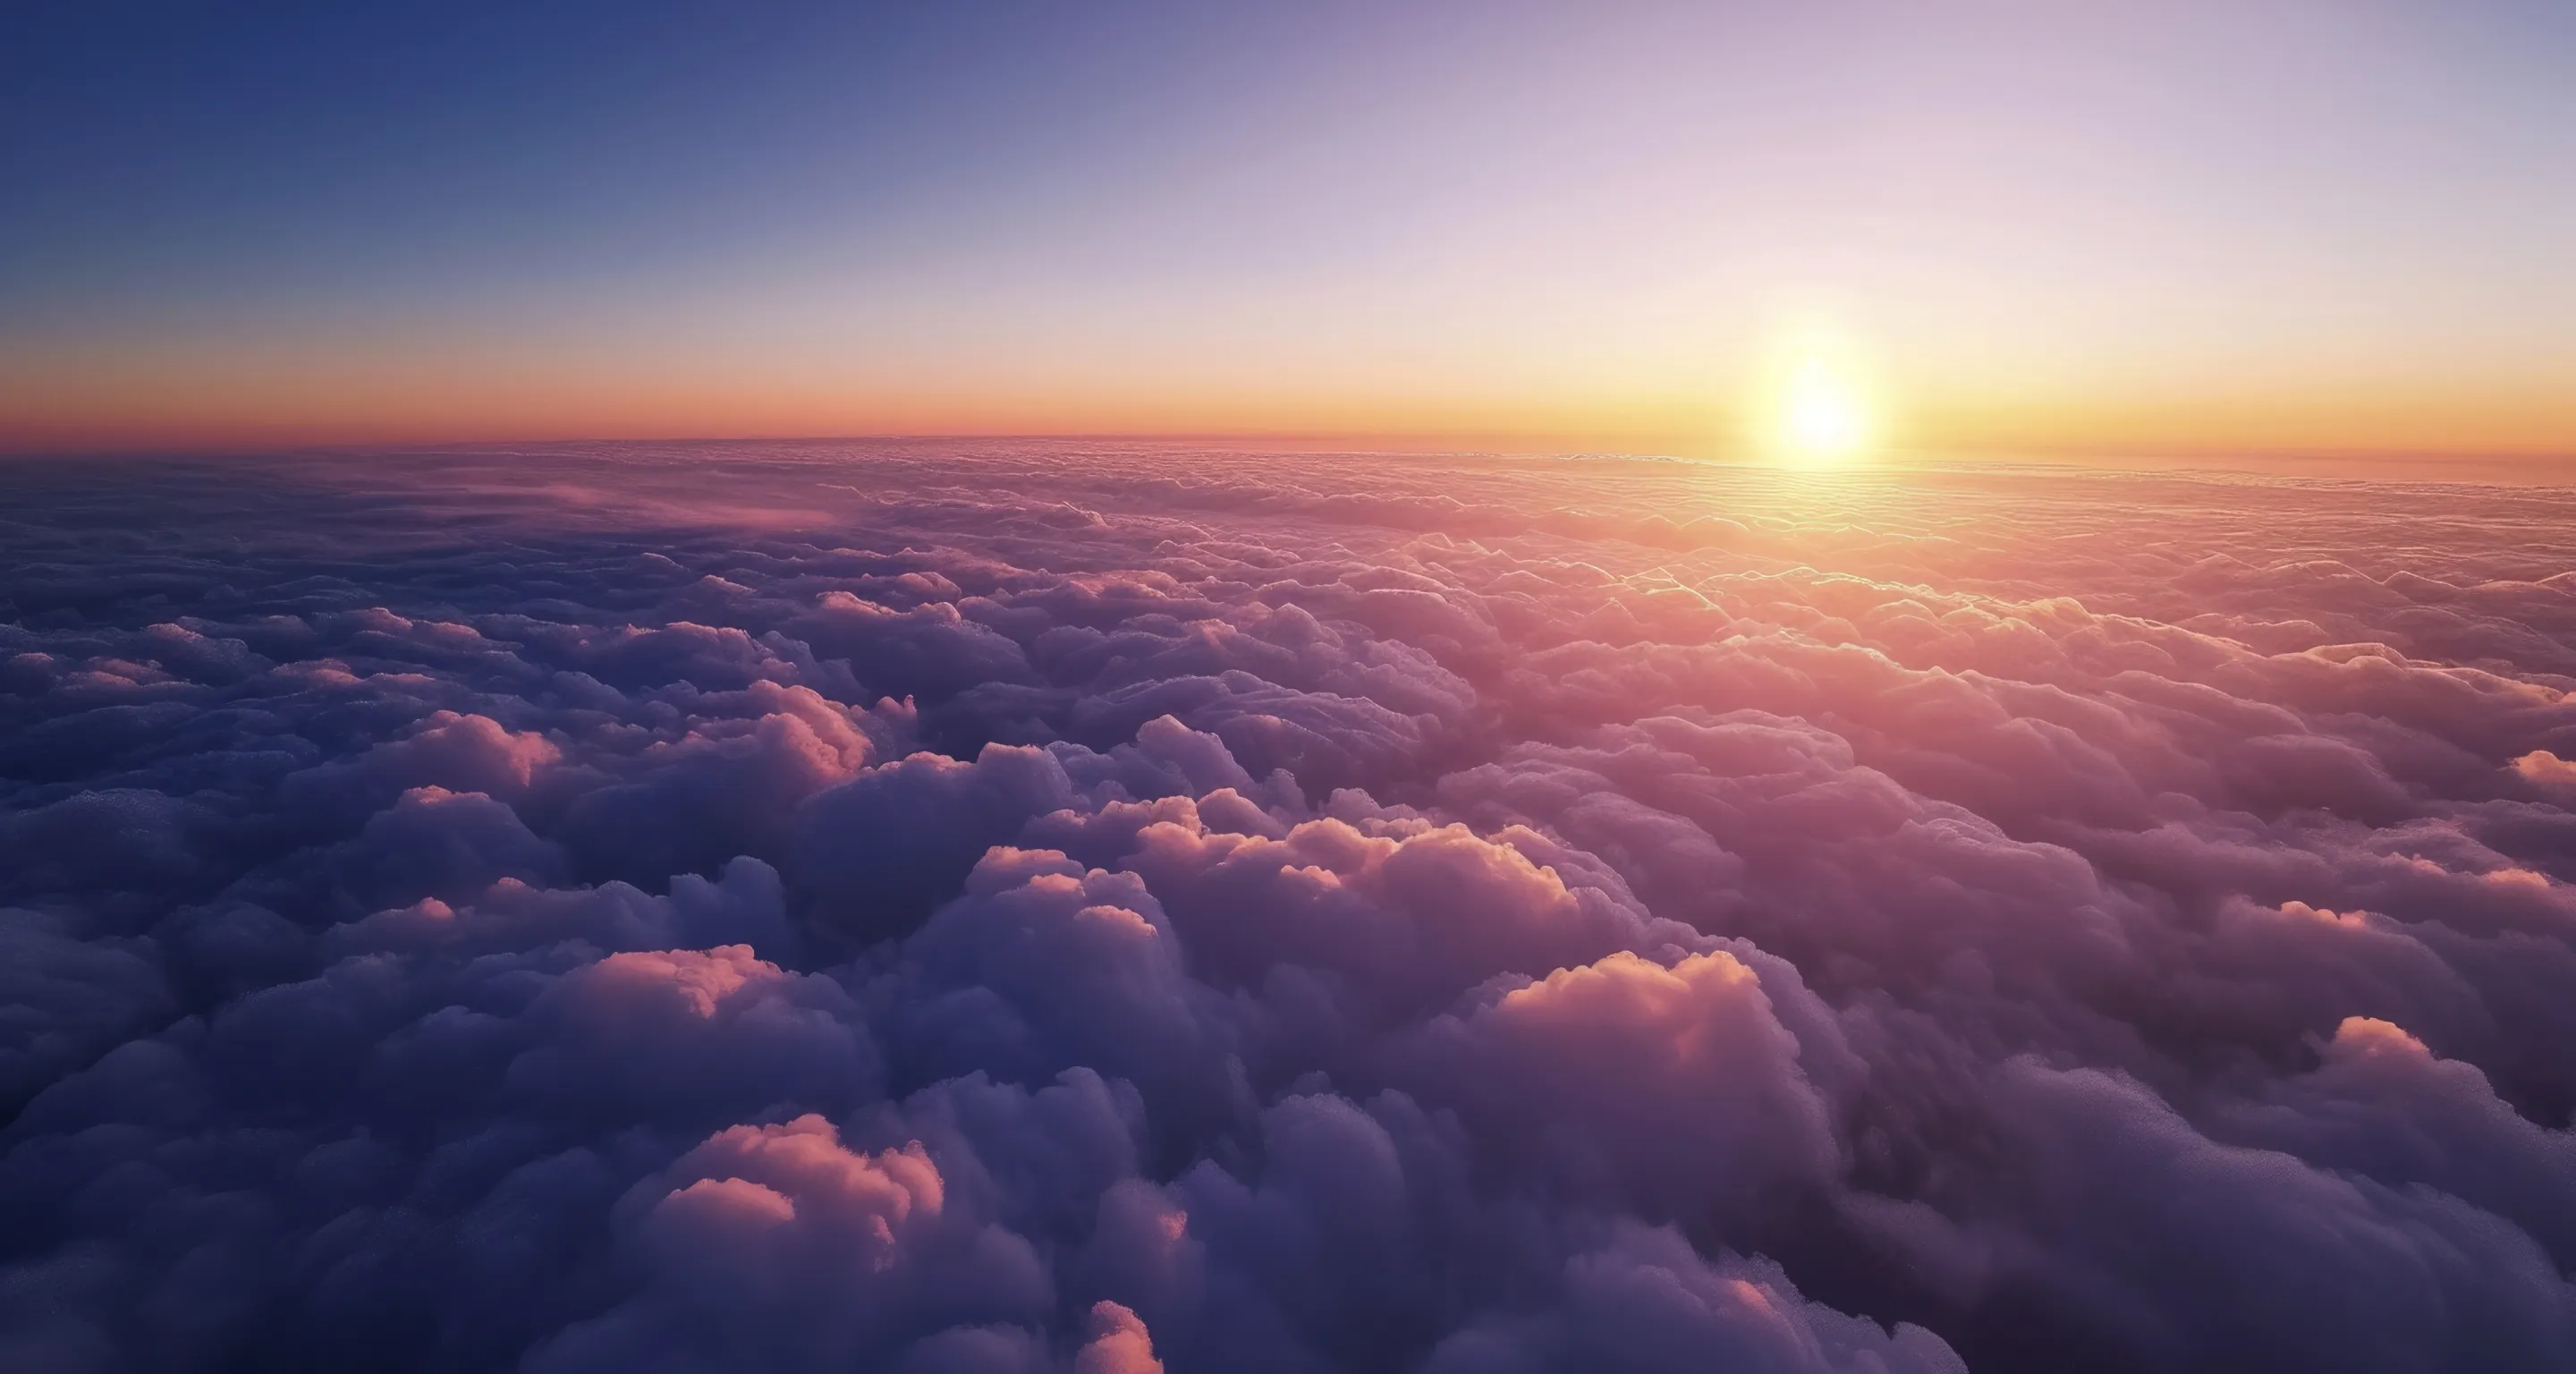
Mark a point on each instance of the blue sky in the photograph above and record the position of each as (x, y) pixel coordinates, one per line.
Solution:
(2300, 222)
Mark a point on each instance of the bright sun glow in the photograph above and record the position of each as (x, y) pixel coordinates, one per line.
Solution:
(1822, 417)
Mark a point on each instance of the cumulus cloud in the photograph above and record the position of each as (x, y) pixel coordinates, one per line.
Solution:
(1019, 908)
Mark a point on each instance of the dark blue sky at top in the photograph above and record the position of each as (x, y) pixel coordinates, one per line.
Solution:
(160, 140)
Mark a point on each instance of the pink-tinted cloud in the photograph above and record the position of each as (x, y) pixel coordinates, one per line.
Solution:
(1119, 909)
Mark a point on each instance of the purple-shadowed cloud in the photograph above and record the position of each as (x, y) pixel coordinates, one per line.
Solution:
(1019, 908)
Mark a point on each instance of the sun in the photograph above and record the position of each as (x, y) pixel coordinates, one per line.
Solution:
(1821, 417)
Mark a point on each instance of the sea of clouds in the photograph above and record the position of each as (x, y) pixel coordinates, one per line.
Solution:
(1007, 908)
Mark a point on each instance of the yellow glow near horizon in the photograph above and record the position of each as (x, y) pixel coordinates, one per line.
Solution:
(1823, 418)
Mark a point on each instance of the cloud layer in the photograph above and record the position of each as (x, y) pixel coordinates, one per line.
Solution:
(1057, 908)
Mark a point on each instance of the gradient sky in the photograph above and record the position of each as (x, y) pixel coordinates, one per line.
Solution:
(2279, 226)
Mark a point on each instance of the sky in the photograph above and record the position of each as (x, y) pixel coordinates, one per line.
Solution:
(2280, 227)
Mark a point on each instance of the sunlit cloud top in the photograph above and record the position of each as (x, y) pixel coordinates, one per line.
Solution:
(2333, 226)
